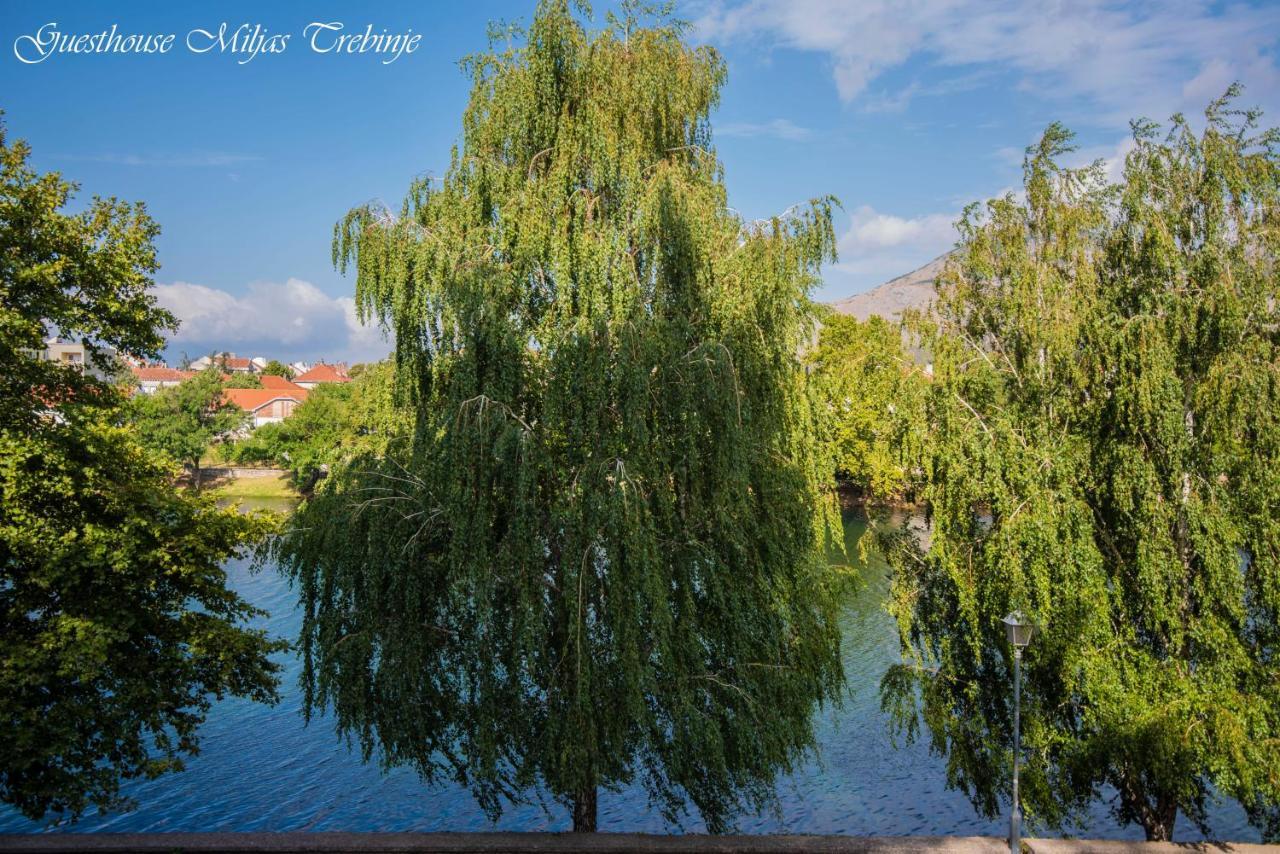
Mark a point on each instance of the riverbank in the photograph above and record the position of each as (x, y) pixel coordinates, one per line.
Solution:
(239, 483)
(851, 499)
(585, 843)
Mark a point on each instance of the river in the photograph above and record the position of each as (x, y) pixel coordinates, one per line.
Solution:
(261, 769)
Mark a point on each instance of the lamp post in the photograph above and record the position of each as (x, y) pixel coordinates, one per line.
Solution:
(1018, 631)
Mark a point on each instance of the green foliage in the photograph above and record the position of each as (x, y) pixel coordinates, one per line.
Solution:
(116, 626)
(602, 558)
(82, 275)
(871, 400)
(242, 380)
(278, 369)
(182, 421)
(1104, 454)
(336, 421)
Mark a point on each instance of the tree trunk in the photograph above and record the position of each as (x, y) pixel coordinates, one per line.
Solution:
(195, 476)
(584, 812)
(1156, 819)
(1159, 825)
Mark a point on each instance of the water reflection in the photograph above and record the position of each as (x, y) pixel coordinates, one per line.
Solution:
(261, 769)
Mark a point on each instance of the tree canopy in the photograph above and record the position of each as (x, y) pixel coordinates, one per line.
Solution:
(601, 557)
(1103, 455)
(245, 379)
(336, 422)
(870, 395)
(116, 625)
(182, 421)
(278, 369)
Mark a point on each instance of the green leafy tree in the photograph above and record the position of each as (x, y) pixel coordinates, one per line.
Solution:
(1105, 456)
(182, 421)
(242, 380)
(602, 558)
(335, 422)
(871, 399)
(278, 369)
(116, 625)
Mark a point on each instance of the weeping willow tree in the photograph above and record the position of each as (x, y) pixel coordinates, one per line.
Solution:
(1104, 454)
(871, 396)
(600, 557)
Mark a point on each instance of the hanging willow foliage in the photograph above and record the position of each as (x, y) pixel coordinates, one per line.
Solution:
(600, 558)
(1104, 454)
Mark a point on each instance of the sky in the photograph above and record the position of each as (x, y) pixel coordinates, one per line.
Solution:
(906, 110)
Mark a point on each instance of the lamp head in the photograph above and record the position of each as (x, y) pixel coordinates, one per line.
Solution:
(1018, 630)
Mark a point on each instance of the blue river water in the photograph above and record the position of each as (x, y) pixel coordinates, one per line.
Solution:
(261, 769)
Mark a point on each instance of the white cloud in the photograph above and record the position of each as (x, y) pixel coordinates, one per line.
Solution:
(288, 320)
(1010, 155)
(877, 247)
(872, 232)
(892, 102)
(896, 102)
(1125, 60)
(777, 128)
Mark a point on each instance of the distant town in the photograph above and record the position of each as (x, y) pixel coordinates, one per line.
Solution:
(283, 385)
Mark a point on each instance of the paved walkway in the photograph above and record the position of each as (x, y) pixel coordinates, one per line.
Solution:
(568, 843)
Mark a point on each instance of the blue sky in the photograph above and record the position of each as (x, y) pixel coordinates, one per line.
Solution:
(904, 110)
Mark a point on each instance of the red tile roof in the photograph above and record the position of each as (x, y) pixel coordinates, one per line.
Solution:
(273, 381)
(159, 373)
(232, 362)
(323, 373)
(253, 399)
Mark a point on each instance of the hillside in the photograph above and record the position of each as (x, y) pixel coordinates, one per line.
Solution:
(913, 290)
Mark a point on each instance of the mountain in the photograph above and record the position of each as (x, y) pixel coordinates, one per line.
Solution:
(913, 290)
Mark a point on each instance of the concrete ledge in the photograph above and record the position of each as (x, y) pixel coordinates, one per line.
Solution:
(568, 843)
(491, 843)
(1112, 846)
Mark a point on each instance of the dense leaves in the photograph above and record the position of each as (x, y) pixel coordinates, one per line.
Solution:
(80, 275)
(182, 421)
(336, 422)
(245, 379)
(602, 557)
(870, 394)
(278, 369)
(1104, 454)
(116, 625)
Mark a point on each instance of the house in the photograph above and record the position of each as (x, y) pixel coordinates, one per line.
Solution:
(266, 405)
(78, 356)
(231, 363)
(65, 353)
(322, 373)
(152, 378)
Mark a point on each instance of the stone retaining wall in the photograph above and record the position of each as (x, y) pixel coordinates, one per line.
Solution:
(211, 473)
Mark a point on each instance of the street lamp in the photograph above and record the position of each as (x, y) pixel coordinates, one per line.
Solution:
(1018, 630)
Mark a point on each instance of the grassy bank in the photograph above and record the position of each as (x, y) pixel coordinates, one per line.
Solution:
(277, 486)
